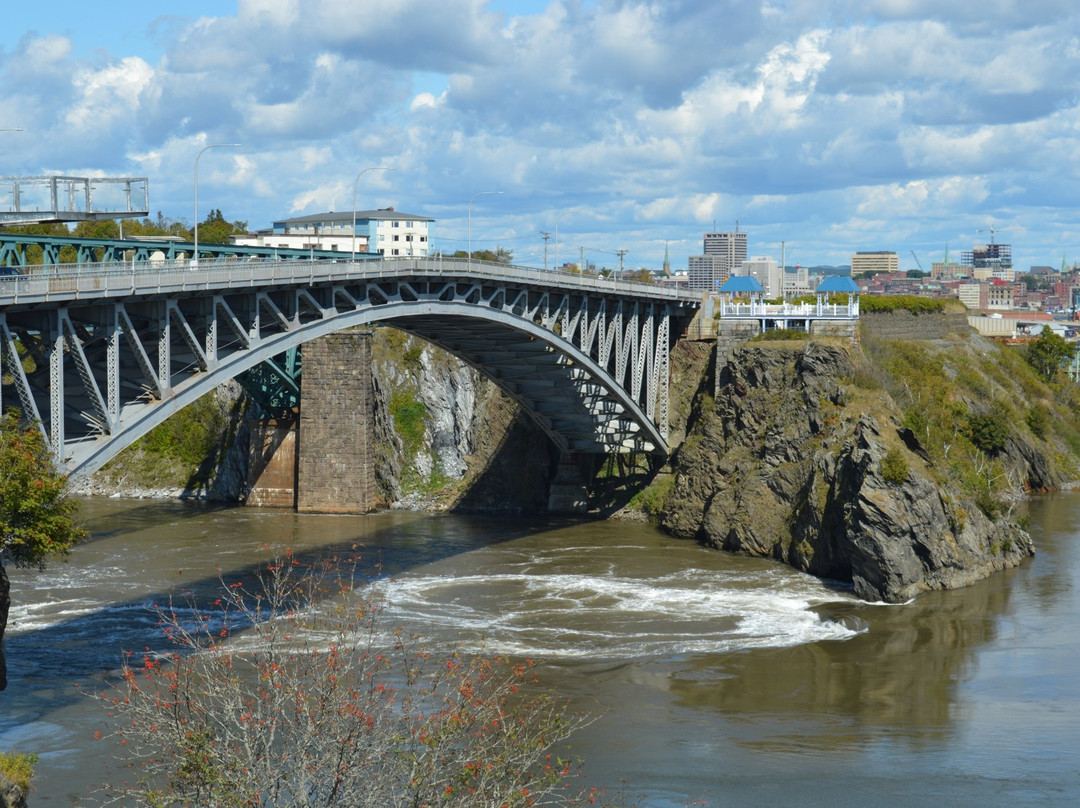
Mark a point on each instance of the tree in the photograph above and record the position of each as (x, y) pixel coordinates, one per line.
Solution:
(286, 691)
(36, 517)
(500, 255)
(1049, 353)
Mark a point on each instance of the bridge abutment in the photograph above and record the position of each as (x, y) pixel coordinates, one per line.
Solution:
(336, 445)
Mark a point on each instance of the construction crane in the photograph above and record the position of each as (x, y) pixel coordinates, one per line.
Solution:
(918, 263)
(991, 230)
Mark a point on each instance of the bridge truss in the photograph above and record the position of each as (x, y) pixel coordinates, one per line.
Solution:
(99, 356)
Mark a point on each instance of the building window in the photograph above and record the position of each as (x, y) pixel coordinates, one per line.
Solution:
(408, 238)
(408, 224)
(397, 252)
(423, 239)
(397, 224)
(397, 237)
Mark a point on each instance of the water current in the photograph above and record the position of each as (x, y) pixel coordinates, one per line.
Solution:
(712, 677)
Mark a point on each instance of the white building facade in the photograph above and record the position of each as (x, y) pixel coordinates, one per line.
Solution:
(385, 231)
(767, 272)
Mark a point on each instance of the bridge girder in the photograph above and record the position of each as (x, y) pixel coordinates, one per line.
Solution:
(590, 365)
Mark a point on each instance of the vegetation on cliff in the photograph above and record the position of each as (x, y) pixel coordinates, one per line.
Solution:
(896, 466)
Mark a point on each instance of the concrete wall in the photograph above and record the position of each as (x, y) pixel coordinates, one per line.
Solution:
(271, 480)
(336, 468)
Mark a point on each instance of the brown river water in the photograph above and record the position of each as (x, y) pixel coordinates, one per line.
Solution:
(712, 677)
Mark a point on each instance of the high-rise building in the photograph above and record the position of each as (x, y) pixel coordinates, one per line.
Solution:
(725, 253)
(989, 261)
(705, 272)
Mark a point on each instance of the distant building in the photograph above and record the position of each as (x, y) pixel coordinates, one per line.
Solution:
(992, 294)
(989, 261)
(872, 262)
(798, 282)
(767, 272)
(948, 270)
(706, 272)
(723, 255)
(385, 231)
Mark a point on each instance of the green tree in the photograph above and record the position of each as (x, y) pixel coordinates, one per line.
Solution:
(1049, 353)
(37, 520)
(216, 230)
(500, 255)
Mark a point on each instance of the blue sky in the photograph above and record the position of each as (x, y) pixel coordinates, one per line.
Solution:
(906, 125)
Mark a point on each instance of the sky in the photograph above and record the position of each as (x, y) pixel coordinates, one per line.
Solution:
(825, 126)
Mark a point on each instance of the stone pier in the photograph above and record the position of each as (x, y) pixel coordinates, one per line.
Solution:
(336, 466)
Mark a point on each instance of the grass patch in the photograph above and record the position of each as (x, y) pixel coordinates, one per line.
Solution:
(782, 335)
(409, 416)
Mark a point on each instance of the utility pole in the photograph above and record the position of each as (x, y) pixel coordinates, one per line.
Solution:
(545, 235)
(621, 253)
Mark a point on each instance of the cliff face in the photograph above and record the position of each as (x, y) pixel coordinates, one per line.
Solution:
(791, 462)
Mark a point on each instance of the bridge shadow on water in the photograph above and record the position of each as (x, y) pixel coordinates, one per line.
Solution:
(89, 647)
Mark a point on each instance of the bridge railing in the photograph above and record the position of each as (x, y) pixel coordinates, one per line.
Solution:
(91, 281)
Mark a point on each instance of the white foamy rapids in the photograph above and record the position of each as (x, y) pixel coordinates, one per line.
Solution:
(570, 615)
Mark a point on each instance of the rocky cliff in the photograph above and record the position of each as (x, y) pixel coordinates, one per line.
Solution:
(791, 460)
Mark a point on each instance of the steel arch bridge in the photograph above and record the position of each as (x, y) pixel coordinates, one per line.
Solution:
(99, 355)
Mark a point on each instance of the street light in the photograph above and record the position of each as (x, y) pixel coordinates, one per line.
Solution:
(355, 184)
(478, 193)
(195, 253)
(557, 238)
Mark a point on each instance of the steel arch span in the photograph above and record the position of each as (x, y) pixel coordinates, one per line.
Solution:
(99, 359)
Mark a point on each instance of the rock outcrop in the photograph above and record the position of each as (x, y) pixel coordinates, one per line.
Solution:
(11, 796)
(788, 463)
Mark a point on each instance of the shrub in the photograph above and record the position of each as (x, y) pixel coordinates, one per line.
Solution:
(18, 768)
(869, 304)
(894, 467)
(990, 430)
(315, 704)
(1038, 420)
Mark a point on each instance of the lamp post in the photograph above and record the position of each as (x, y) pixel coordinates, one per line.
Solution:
(355, 184)
(195, 253)
(478, 193)
(557, 238)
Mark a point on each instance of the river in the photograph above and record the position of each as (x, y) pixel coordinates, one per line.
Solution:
(736, 681)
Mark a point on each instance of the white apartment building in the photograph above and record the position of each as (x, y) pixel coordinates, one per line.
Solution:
(385, 231)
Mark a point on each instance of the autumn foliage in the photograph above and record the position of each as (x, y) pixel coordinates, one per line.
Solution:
(286, 691)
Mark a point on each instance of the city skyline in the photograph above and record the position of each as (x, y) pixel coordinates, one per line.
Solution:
(880, 125)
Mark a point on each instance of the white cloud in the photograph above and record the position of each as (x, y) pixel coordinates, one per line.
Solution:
(809, 123)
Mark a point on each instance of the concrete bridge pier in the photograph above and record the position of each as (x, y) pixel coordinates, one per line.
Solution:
(568, 492)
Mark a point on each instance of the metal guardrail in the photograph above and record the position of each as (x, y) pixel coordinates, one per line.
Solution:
(89, 282)
(73, 199)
